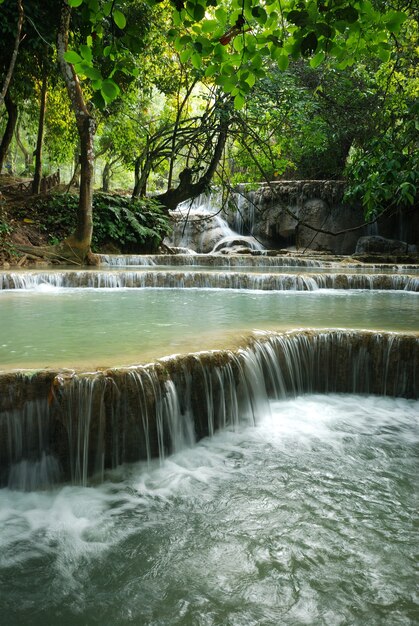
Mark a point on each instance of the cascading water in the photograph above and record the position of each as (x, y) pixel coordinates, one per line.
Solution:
(200, 226)
(250, 485)
(94, 421)
(207, 280)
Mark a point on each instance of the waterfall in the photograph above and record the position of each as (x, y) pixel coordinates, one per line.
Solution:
(199, 225)
(123, 260)
(72, 426)
(254, 258)
(201, 279)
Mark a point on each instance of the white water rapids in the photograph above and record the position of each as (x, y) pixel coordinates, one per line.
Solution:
(304, 518)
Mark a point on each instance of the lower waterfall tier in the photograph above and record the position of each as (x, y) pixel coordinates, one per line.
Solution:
(194, 279)
(67, 425)
(306, 518)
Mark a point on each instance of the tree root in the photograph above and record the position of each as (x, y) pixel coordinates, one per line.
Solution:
(67, 252)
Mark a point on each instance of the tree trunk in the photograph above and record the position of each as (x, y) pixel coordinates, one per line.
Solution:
(106, 177)
(9, 74)
(24, 151)
(79, 243)
(36, 185)
(142, 169)
(140, 184)
(83, 233)
(11, 108)
(75, 178)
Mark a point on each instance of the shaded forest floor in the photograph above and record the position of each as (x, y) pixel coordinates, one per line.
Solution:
(19, 222)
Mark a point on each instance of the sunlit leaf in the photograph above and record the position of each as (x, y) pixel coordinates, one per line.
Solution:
(86, 53)
(119, 19)
(283, 62)
(72, 57)
(239, 101)
(317, 59)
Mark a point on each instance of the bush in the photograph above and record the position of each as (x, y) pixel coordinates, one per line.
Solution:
(131, 226)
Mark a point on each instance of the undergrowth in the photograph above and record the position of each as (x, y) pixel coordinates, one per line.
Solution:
(130, 226)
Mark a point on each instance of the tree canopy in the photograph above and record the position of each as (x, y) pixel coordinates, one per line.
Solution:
(177, 90)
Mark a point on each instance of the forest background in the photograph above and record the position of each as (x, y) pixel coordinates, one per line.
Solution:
(162, 100)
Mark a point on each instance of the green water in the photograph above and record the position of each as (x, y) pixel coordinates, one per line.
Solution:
(307, 518)
(69, 327)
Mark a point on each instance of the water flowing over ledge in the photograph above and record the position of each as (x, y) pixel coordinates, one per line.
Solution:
(255, 259)
(215, 280)
(210, 260)
(67, 425)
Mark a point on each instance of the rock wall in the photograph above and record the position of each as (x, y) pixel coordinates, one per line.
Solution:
(285, 214)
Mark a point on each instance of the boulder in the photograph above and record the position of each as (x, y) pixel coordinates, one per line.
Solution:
(374, 244)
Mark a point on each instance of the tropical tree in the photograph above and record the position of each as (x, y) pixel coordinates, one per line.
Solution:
(230, 43)
(383, 171)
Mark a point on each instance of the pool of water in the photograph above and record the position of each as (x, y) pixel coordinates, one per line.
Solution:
(306, 518)
(50, 327)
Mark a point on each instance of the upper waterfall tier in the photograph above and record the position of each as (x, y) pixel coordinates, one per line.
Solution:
(254, 259)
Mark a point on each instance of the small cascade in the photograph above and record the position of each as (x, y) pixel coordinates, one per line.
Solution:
(200, 226)
(73, 426)
(115, 279)
(254, 258)
(126, 259)
(243, 216)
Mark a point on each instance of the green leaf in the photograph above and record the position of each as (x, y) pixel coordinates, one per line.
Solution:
(317, 59)
(393, 20)
(196, 60)
(199, 12)
(256, 61)
(86, 53)
(211, 70)
(92, 73)
(221, 15)
(185, 55)
(324, 30)
(250, 80)
(119, 19)
(283, 62)
(348, 14)
(239, 101)
(260, 14)
(383, 54)
(72, 57)
(109, 90)
(299, 18)
(209, 26)
(238, 43)
(93, 5)
(107, 8)
(309, 44)
(74, 3)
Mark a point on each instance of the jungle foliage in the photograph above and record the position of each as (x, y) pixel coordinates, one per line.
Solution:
(172, 94)
(120, 223)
